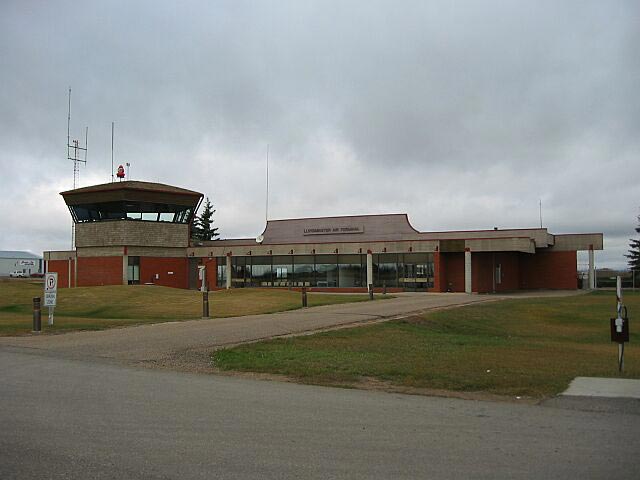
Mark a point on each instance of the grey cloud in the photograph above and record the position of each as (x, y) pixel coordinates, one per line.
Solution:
(462, 115)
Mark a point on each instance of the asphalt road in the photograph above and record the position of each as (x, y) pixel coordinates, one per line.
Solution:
(64, 418)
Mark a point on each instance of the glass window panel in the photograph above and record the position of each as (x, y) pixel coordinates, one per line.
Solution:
(239, 274)
(387, 270)
(326, 271)
(282, 271)
(222, 271)
(303, 271)
(350, 271)
(261, 271)
(416, 271)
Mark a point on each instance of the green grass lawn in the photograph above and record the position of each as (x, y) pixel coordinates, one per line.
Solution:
(95, 308)
(519, 347)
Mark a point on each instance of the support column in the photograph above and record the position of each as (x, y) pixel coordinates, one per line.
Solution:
(228, 269)
(125, 269)
(467, 270)
(369, 268)
(592, 270)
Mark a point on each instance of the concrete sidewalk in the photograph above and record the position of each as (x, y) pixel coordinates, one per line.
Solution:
(603, 387)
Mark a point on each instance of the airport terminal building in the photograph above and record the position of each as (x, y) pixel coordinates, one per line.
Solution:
(139, 233)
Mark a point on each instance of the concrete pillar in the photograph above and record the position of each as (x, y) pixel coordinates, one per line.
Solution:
(592, 271)
(125, 268)
(228, 280)
(467, 270)
(369, 268)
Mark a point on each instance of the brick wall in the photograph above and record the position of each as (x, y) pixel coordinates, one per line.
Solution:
(212, 272)
(150, 266)
(482, 271)
(94, 271)
(61, 267)
(553, 270)
(510, 266)
(439, 284)
(453, 266)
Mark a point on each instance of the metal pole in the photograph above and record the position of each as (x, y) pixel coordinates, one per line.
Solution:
(619, 321)
(384, 288)
(37, 320)
(205, 304)
(304, 297)
(112, 128)
(50, 322)
(371, 291)
(621, 356)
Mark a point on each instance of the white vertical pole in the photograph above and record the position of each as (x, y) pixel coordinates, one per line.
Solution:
(467, 271)
(228, 272)
(369, 268)
(592, 272)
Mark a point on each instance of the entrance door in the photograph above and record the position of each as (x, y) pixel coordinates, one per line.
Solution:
(193, 273)
(133, 271)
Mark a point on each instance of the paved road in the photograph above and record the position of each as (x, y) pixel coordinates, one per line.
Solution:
(73, 419)
(160, 342)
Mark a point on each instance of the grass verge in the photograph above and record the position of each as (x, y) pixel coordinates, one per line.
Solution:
(96, 308)
(519, 347)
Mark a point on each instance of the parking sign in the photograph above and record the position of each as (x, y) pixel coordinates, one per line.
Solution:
(50, 289)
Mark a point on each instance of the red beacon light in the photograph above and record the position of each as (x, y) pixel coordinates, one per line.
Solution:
(120, 173)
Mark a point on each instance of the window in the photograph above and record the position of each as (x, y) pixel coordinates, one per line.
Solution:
(133, 271)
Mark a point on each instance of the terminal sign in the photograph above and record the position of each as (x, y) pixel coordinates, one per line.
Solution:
(333, 230)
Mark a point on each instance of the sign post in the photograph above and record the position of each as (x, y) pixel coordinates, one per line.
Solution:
(620, 325)
(50, 293)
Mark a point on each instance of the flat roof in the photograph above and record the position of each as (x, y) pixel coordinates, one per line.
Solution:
(132, 185)
(132, 191)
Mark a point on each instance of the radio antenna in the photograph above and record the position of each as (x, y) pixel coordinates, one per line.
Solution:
(266, 209)
(540, 213)
(74, 153)
(112, 127)
(74, 149)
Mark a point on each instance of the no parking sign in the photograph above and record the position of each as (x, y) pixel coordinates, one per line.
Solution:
(50, 289)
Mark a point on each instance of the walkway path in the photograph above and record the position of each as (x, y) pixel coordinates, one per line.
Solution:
(162, 341)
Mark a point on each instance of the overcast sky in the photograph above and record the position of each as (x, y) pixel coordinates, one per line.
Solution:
(462, 114)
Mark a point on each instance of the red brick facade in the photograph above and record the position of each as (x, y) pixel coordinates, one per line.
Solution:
(61, 267)
(171, 272)
(94, 271)
(554, 270)
(211, 265)
(512, 271)
(452, 265)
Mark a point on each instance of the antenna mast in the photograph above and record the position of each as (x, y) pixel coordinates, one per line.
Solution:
(266, 210)
(540, 213)
(74, 153)
(112, 126)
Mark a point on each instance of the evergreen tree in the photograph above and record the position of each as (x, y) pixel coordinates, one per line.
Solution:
(634, 252)
(203, 228)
